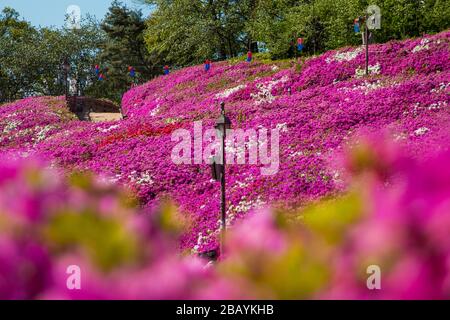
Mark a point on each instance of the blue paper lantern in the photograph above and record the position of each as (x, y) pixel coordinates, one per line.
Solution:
(132, 71)
(300, 44)
(356, 27)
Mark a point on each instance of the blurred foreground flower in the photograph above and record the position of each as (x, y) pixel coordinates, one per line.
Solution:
(396, 217)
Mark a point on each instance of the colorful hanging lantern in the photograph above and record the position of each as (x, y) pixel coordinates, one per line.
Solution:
(101, 77)
(97, 69)
(249, 56)
(166, 70)
(356, 26)
(132, 71)
(207, 65)
(300, 44)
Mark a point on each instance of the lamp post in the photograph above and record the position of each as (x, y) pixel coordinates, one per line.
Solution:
(223, 123)
(366, 36)
(366, 41)
(66, 68)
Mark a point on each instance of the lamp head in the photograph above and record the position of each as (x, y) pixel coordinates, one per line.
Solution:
(223, 122)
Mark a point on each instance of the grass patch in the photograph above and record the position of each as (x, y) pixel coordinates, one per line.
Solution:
(185, 85)
(222, 83)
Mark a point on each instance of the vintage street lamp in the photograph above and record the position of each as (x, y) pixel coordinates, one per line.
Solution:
(365, 36)
(66, 68)
(218, 166)
(366, 42)
(368, 23)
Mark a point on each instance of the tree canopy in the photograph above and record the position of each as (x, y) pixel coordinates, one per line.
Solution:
(186, 32)
(124, 29)
(31, 58)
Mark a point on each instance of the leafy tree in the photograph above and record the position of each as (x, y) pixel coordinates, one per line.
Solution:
(187, 32)
(323, 24)
(17, 56)
(80, 47)
(411, 18)
(125, 46)
(30, 59)
(327, 24)
(436, 16)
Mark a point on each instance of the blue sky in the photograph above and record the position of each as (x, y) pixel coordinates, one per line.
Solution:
(52, 12)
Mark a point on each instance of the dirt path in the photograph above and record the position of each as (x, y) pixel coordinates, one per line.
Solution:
(101, 117)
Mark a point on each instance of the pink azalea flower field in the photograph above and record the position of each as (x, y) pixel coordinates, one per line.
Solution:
(323, 107)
